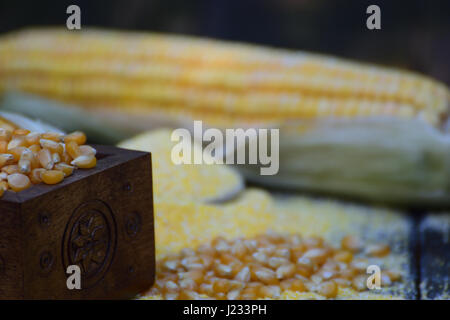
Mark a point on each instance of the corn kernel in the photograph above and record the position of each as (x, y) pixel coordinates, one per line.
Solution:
(3, 146)
(16, 152)
(3, 187)
(18, 182)
(378, 250)
(6, 159)
(33, 138)
(45, 159)
(53, 136)
(73, 149)
(272, 292)
(78, 137)
(52, 146)
(351, 243)
(52, 176)
(56, 158)
(35, 148)
(328, 289)
(5, 135)
(65, 168)
(17, 142)
(343, 256)
(84, 162)
(359, 283)
(10, 169)
(21, 132)
(87, 150)
(35, 175)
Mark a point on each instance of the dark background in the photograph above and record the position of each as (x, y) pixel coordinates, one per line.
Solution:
(414, 35)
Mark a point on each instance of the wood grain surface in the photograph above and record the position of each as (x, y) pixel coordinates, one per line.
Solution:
(435, 256)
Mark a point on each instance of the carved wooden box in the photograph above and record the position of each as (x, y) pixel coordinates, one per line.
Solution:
(99, 219)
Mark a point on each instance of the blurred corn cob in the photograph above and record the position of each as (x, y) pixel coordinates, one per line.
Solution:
(136, 81)
(225, 84)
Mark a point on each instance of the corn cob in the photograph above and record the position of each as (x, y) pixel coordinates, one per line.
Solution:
(136, 81)
(225, 84)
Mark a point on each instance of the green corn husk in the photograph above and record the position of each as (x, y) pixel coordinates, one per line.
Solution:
(382, 160)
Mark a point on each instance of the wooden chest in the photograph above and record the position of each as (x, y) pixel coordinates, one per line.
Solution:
(100, 220)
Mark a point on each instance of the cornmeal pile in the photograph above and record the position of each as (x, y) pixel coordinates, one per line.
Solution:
(219, 251)
(184, 182)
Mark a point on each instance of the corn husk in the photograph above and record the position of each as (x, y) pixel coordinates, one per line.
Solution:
(380, 159)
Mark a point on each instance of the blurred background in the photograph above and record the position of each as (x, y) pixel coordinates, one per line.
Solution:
(415, 35)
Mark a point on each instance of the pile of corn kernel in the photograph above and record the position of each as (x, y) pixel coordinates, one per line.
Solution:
(28, 158)
(266, 265)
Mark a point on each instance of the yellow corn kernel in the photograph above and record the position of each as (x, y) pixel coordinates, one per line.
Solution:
(73, 149)
(378, 250)
(3, 187)
(45, 159)
(5, 135)
(5, 159)
(10, 169)
(21, 132)
(16, 152)
(87, 150)
(84, 162)
(66, 158)
(328, 289)
(17, 142)
(24, 166)
(35, 175)
(35, 148)
(297, 285)
(351, 243)
(343, 256)
(77, 136)
(52, 146)
(56, 158)
(18, 182)
(359, 283)
(52, 176)
(393, 275)
(64, 167)
(33, 138)
(53, 136)
(3, 146)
